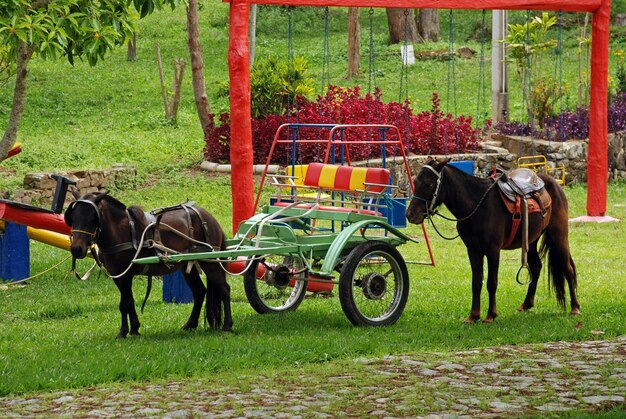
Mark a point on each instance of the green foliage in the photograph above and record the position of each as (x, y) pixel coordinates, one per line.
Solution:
(72, 28)
(545, 94)
(527, 45)
(620, 73)
(7, 65)
(275, 84)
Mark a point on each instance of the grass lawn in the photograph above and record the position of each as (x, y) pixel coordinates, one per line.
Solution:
(59, 332)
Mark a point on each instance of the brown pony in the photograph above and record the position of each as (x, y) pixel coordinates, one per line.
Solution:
(484, 224)
(123, 234)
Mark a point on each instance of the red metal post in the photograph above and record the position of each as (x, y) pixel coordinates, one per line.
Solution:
(597, 161)
(241, 157)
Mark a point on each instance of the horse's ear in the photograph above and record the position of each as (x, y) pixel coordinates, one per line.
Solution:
(74, 192)
(67, 217)
(100, 197)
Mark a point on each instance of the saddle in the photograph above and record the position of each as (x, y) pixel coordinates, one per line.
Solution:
(523, 193)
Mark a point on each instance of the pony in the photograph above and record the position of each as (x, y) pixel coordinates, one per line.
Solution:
(125, 233)
(485, 225)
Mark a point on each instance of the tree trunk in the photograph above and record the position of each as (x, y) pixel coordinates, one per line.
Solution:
(400, 25)
(354, 37)
(132, 48)
(428, 24)
(252, 33)
(24, 54)
(171, 104)
(197, 66)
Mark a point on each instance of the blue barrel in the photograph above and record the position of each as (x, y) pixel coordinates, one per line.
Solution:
(175, 289)
(465, 165)
(14, 252)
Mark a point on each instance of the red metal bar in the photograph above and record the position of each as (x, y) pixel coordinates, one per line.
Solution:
(564, 5)
(33, 218)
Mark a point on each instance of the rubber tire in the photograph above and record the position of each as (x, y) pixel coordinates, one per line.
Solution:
(251, 286)
(347, 287)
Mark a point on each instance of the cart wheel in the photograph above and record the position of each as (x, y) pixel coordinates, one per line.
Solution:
(275, 283)
(374, 284)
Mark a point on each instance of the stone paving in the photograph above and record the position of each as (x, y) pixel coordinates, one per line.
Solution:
(542, 380)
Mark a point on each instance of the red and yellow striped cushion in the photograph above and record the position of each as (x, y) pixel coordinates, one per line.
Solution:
(345, 178)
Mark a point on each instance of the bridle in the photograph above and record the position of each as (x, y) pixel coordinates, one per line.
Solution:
(432, 202)
(93, 234)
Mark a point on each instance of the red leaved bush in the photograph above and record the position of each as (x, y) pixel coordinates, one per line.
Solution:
(430, 132)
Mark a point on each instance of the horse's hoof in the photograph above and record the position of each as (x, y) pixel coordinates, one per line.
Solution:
(135, 334)
(188, 326)
(523, 308)
(488, 320)
(575, 312)
(470, 320)
(121, 336)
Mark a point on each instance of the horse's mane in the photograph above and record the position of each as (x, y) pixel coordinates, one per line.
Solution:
(112, 201)
(137, 212)
(473, 181)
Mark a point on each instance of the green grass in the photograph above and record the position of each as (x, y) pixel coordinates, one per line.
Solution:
(60, 333)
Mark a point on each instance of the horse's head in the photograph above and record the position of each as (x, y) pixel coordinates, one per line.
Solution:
(84, 218)
(426, 187)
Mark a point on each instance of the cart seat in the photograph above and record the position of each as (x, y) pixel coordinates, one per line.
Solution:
(346, 178)
(307, 206)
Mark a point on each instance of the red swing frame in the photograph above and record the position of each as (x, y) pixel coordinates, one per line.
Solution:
(239, 70)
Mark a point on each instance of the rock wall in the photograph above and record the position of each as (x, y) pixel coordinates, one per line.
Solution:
(503, 151)
(572, 154)
(39, 187)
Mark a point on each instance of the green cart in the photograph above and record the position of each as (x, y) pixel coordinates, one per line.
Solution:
(326, 224)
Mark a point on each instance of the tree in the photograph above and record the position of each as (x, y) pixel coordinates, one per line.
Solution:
(197, 66)
(428, 24)
(354, 37)
(401, 25)
(73, 29)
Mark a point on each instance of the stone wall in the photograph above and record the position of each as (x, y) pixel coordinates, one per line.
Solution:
(503, 151)
(571, 154)
(39, 187)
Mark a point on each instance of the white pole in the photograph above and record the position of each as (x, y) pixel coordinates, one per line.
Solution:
(499, 76)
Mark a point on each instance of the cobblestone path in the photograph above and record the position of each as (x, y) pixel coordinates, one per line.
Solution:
(508, 381)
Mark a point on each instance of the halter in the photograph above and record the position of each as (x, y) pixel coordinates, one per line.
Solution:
(431, 203)
(93, 234)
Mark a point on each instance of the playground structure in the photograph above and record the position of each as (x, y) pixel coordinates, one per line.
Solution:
(239, 70)
(21, 222)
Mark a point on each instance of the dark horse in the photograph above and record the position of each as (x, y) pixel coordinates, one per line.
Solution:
(484, 224)
(119, 231)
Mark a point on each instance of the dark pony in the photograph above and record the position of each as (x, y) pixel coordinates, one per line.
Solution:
(123, 234)
(484, 224)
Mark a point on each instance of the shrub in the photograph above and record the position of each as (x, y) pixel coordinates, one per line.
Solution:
(431, 132)
(570, 124)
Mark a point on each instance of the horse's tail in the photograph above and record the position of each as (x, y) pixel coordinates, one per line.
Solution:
(556, 270)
